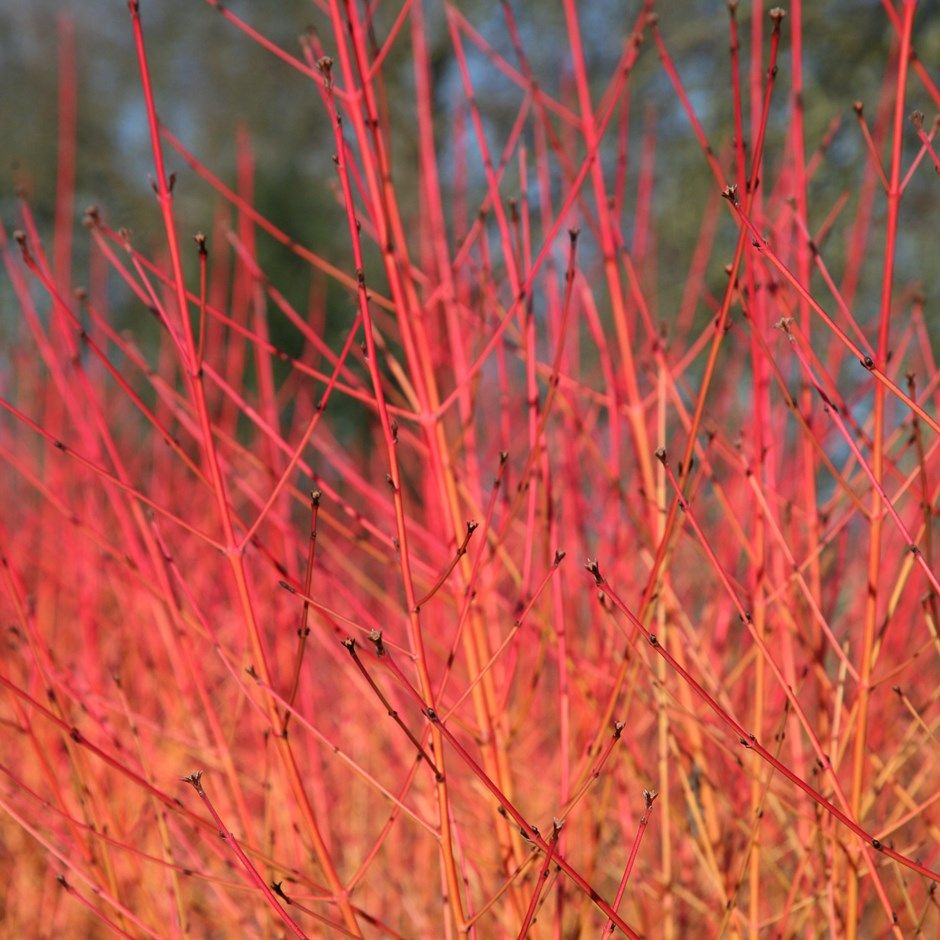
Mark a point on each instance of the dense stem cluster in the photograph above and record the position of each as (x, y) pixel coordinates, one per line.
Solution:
(331, 572)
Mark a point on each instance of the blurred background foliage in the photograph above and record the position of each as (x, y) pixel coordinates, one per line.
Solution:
(210, 79)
